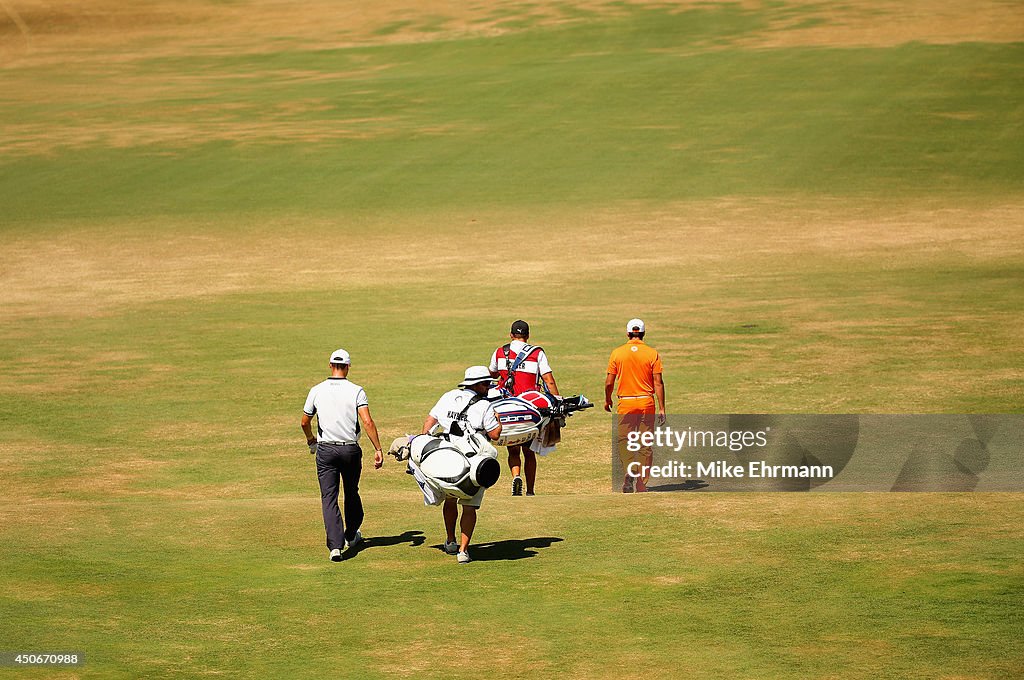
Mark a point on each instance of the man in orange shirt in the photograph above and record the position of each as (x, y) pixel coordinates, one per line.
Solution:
(638, 368)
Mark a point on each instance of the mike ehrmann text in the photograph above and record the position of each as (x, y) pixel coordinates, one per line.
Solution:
(720, 469)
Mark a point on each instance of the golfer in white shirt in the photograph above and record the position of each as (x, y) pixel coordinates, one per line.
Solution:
(339, 406)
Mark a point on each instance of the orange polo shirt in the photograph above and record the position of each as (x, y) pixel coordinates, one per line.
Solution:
(635, 364)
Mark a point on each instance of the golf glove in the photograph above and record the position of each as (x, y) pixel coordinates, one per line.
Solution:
(312, 447)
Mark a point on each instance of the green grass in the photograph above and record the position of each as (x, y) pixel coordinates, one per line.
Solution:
(760, 586)
(187, 236)
(618, 109)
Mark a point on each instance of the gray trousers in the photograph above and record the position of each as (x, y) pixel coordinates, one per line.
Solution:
(344, 461)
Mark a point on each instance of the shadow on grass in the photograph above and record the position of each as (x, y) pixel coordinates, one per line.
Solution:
(689, 485)
(414, 538)
(512, 549)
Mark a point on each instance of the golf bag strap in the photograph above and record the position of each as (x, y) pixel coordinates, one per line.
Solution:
(506, 349)
(524, 353)
(472, 400)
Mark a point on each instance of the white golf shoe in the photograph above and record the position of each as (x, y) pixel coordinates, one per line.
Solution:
(463, 557)
(517, 486)
(336, 555)
(356, 540)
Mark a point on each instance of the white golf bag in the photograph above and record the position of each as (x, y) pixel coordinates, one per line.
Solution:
(459, 465)
(450, 466)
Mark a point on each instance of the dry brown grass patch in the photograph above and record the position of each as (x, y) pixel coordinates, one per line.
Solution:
(885, 23)
(82, 270)
(62, 27)
(90, 37)
(420, 655)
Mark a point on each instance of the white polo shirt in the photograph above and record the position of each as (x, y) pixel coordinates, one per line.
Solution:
(538, 367)
(334, 402)
(449, 407)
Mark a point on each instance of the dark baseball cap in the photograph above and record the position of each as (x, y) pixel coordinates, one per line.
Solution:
(520, 328)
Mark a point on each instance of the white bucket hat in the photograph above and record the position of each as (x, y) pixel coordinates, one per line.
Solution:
(475, 375)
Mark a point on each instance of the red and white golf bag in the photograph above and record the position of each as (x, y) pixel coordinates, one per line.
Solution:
(523, 417)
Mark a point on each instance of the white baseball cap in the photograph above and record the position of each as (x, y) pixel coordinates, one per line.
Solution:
(476, 374)
(340, 356)
(635, 326)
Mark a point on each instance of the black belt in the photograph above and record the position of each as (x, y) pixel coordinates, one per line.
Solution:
(339, 443)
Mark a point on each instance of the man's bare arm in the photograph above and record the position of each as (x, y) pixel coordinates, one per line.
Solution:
(495, 433)
(371, 432)
(549, 380)
(307, 427)
(429, 424)
(659, 391)
(609, 385)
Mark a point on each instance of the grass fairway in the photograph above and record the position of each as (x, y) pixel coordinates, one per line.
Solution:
(816, 209)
